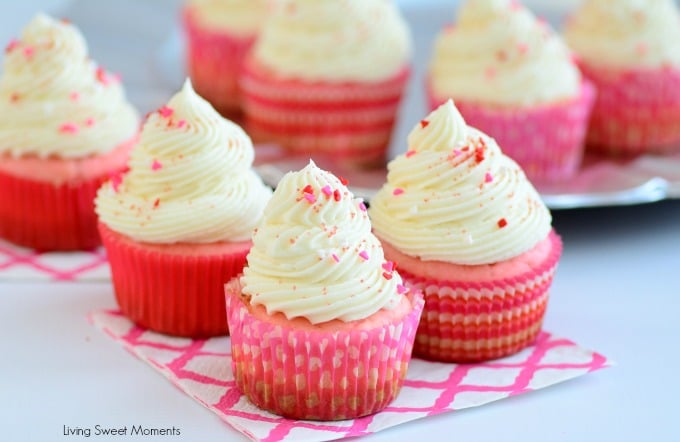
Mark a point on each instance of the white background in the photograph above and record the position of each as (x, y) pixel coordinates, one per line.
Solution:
(617, 291)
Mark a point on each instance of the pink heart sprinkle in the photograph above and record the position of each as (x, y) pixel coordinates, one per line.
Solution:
(364, 255)
(388, 266)
(165, 111)
(156, 165)
(68, 128)
(410, 153)
(362, 206)
(488, 178)
(401, 289)
(181, 123)
(398, 191)
(310, 198)
(327, 190)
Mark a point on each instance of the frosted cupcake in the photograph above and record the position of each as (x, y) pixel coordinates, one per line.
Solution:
(177, 226)
(321, 326)
(326, 76)
(513, 78)
(219, 33)
(66, 127)
(467, 228)
(632, 54)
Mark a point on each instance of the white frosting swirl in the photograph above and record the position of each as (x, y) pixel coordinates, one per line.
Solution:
(362, 40)
(454, 197)
(631, 33)
(190, 179)
(238, 17)
(314, 255)
(498, 53)
(55, 101)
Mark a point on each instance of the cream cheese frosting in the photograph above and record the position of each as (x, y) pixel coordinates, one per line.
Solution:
(238, 17)
(455, 197)
(630, 33)
(498, 53)
(348, 40)
(190, 179)
(314, 255)
(55, 101)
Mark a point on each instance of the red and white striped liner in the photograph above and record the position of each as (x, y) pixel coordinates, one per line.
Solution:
(636, 111)
(176, 289)
(316, 374)
(547, 141)
(472, 322)
(352, 121)
(214, 60)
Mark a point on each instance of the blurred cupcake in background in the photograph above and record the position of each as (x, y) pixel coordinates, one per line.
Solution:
(177, 226)
(66, 128)
(321, 326)
(465, 226)
(631, 51)
(327, 76)
(512, 77)
(219, 33)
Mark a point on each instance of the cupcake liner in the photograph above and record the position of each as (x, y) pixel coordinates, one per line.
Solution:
(547, 141)
(636, 111)
(214, 62)
(173, 289)
(352, 121)
(472, 322)
(315, 374)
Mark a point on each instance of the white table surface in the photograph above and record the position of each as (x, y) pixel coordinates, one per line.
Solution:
(617, 291)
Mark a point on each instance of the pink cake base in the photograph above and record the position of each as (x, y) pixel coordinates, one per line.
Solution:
(478, 313)
(48, 204)
(176, 289)
(351, 121)
(334, 372)
(547, 141)
(636, 111)
(214, 61)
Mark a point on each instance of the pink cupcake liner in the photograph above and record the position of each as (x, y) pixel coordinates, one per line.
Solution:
(351, 121)
(636, 111)
(319, 374)
(176, 289)
(547, 141)
(214, 61)
(478, 321)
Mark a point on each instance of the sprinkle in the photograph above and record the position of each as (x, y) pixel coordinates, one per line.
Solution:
(116, 181)
(165, 111)
(14, 97)
(65, 21)
(410, 153)
(424, 123)
(335, 257)
(89, 122)
(362, 206)
(156, 165)
(388, 266)
(28, 51)
(490, 72)
(523, 48)
(456, 152)
(181, 124)
(311, 199)
(11, 46)
(398, 191)
(401, 289)
(364, 255)
(337, 195)
(100, 73)
(502, 223)
(308, 189)
(74, 96)
(68, 128)
(156, 203)
(479, 154)
(449, 28)
(387, 276)
(502, 55)
(327, 190)
(343, 181)
(488, 178)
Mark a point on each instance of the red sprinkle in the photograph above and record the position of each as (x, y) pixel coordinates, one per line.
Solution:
(424, 123)
(387, 276)
(68, 128)
(156, 165)
(156, 203)
(398, 191)
(343, 181)
(388, 266)
(101, 76)
(364, 255)
(335, 257)
(410, 153)
(502, 223)
(401, 289)
(488, 178)
(327, 190)
(165, 111)
(308, 189)
(181, 124)
(479, 154)
(14, 97)
(89, 122)
(362, 206)
(11, 46)
(337, 196)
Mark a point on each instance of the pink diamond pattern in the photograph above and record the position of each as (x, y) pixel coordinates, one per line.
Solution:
(201, 369)
(18, 263)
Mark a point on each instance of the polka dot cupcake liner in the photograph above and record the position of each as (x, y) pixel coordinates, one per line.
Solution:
(319, 374)
(351, 121)
(176, 289)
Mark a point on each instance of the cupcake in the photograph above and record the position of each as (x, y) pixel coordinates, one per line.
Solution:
(513, 78)
(66, 128)
(632, 54)
(177, 226)
(326, 77)
(321, 326)
(218, 35)
(468, 229)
